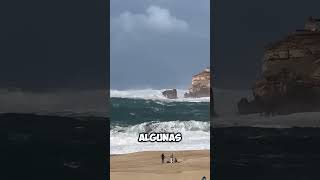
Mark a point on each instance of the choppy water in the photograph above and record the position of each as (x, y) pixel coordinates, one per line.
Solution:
(138, 111)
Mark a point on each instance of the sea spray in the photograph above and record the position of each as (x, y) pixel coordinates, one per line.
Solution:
(154, 94)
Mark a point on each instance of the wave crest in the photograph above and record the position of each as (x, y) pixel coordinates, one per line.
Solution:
(154, 94)
(169, 126)
(195, 136)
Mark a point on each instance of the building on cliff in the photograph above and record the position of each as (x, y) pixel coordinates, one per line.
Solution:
(202, 79)
(290, 75)
(200, 85)
(313, 24)
(299, 52)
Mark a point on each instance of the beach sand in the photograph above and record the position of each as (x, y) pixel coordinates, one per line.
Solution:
(191, 165)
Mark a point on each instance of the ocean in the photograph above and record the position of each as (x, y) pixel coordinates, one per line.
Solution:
(259, 147)
(139, 111)
(228, 116)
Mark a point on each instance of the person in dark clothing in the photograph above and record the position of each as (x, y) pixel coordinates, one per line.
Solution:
(162, 158)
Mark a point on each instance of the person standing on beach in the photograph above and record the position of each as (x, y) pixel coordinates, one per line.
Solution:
(162, 158)
(171, 158)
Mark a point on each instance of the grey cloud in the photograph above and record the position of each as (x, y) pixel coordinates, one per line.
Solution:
(162, 45)
(155, 18)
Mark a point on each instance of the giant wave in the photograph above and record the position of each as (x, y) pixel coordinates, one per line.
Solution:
(154, 94)
(195, 136)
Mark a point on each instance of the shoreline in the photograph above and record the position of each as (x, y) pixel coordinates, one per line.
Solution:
(159, 151)
(192, 164)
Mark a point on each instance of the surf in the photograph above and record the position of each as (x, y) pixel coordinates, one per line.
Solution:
(154, 94)
(196, 136)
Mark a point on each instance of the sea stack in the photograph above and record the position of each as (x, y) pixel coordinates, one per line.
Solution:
(170, 94)
(290, 78)
(200, 86)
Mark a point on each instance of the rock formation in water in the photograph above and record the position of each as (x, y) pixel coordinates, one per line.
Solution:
(200, 86)
(170, 94)
(290, 78)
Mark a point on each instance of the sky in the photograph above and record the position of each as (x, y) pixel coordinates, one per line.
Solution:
(158, 43)
(53, 56)
(242, 30)
(51, 48)
(53, 45)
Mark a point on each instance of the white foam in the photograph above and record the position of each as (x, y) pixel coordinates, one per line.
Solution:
(225, 102)
(195, 136)
(154, 94)
(306, 119)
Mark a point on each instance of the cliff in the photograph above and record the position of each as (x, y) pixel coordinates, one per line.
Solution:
(200, 86)
(290, 76)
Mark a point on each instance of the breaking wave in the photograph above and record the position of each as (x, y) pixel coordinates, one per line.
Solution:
(195, 136)
(153, 94)
(225, 102)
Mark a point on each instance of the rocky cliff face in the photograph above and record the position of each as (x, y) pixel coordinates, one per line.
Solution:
(290, 79)
(200, 86)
